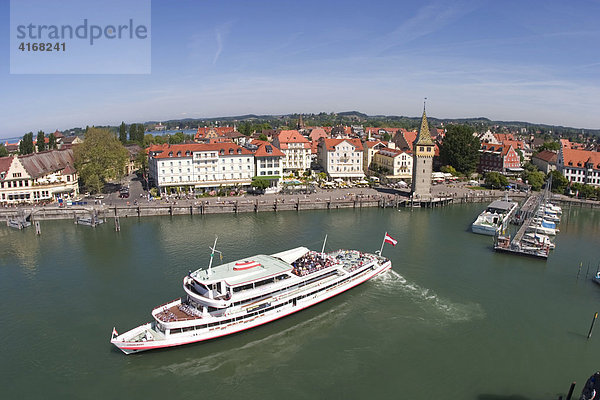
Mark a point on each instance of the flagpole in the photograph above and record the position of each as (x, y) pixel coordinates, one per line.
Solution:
(382, 243)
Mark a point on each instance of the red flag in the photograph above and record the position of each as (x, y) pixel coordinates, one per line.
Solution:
(114, 332)
(390, 240)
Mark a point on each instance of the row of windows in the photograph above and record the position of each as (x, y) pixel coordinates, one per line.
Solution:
(215, 177)
(14, 184)
(268, 307)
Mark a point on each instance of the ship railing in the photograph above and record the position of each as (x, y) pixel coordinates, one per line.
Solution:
(167, 303)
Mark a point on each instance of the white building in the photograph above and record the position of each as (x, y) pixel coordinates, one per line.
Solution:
(296, 149)
(580, 166)
(341, 158)
(268, 163)
(396, 163)
(200, 166)
(38, 177)
(370, 147)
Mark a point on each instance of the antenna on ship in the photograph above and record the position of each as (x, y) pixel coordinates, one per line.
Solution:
(324, 241)
(213, 248)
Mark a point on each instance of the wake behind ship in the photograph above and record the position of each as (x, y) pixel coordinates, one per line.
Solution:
(247, 293)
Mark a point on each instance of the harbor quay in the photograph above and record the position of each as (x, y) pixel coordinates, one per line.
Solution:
(355, 198)
(321, 200)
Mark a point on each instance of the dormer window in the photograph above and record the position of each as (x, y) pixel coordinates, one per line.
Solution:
(178, 154)
(222, 151)
(187, 153)
(170, 154)
(239, 151)
(231, 151)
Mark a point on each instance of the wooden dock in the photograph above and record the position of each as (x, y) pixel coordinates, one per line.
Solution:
(524, 218)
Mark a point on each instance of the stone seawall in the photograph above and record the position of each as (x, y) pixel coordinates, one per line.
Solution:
(40, 213)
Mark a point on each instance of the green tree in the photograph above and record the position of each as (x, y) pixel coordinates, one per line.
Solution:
(52, 142)
(123, 133)
(160, 139)
(534, 178)
(3, 151)
(99, 158)
(176, 138)
(260, 183)
(460, 149)
(559, 182)
(245, 128)
(449, 170)
(26, 144)
(148, 140)
(41, 141)
(552, 146)
(136, 133)
(495, 180)
(263, 137)
(141, 162)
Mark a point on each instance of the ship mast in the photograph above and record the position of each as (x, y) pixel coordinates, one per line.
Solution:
(213, 248)
(324, 241)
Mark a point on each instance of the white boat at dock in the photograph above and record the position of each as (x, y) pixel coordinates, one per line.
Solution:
(250, 292)
(494, 219)
(535, 238)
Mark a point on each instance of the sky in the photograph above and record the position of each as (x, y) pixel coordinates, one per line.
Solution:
(534, 61)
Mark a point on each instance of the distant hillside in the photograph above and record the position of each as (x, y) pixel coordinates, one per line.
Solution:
(249, 121)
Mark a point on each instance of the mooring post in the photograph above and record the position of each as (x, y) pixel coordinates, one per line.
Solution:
(38, 229)
(592, 326)
(587, 271)
(579, 270)
(571, 391)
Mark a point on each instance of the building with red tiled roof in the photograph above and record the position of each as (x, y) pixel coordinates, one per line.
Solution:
(296, 149)
(582, 166)
(404, 139)
(395, 163)
(501, 137)
(341, 158)
(210, 132)
(498, 158)
(565, 143)
(545, 160)
(202, 166)
(38, 177)
(268, 163)
(370, 147)
(316, 134)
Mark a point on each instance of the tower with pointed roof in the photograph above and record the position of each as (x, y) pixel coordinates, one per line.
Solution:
(423, 151)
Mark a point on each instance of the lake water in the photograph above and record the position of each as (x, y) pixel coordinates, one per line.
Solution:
(453, 320)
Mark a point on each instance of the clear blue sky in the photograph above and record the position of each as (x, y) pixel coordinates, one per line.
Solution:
(535, 61)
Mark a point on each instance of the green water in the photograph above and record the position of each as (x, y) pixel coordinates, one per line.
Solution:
(453, 320)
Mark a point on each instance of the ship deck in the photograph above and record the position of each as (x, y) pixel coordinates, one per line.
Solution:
(179, 312)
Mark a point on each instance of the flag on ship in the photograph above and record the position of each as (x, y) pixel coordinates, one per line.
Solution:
(390, 240)
(114, 332)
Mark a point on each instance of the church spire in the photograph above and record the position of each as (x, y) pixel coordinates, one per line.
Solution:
(424, 136)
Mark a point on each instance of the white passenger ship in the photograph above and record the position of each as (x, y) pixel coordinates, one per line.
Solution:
(243, 294)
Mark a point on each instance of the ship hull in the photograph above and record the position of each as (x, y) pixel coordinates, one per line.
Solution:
(282, 306)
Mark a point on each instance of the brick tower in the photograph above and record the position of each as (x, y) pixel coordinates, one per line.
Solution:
(423, 151)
